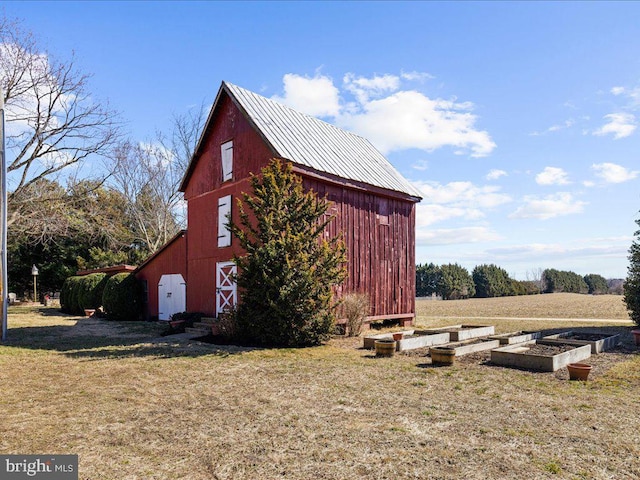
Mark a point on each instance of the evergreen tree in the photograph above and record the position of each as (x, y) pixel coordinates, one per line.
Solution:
(455, 282)
(428, 277)
(492, 281)
(287, 275)
(632, 284)
(597, 284)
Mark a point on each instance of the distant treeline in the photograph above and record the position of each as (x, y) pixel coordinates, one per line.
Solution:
(452, 281)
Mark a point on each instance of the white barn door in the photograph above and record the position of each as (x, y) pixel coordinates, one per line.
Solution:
(225, 286)
(172, 295)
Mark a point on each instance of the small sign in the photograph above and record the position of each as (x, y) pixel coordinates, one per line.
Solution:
(40, 467)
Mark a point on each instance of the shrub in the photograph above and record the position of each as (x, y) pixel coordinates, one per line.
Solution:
(65, 295)
(91, 290)
(355, 309)
(632, 284)
(74, 303)
(227, 324)
(122, 297)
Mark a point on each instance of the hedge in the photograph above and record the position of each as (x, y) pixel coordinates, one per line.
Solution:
(122, 297)
(92, 288)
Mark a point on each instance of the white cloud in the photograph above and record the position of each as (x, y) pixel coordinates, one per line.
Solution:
(464, 194)
(364, 88)
(428, 214)
(409, 119)
(552, 176)
(632, 94)
(456, 236)
(619, 125)
(456, 200)
(496, 174)
(420, 165)
(550, 206)
(612, 173)
(416, 76)
(316, 96)
(391, 118)
(554, 128)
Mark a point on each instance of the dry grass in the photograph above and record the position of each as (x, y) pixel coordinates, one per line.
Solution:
(552, 305)
(136, 409)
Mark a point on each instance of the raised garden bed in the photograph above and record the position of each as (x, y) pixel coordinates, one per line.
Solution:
(599, 342)
(459, 333)
(370, 340)
(421, 338)
(472, 346)
(540, 355)
(411, 339)
(516, 337)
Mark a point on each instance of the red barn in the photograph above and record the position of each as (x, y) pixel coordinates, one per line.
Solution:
(374, 205)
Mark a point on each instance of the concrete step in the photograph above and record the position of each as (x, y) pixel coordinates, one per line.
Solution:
(207, 320)
(198, 331)
(202, 325)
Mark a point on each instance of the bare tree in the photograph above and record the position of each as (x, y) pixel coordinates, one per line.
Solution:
(536, 276)
(149, 175)
(53, 121)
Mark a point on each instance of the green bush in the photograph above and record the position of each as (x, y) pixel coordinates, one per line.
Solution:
(632, 284)
(65, 294)
(92, 287)
(76, 288)
(122, 297)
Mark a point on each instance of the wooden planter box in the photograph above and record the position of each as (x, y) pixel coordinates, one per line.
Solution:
(518, 356)
(598, 345)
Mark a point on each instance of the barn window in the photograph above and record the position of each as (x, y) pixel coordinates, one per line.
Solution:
(224, 209)
(383, 211)
(226, 150)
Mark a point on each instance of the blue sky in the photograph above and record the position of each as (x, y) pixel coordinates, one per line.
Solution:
(517, 120)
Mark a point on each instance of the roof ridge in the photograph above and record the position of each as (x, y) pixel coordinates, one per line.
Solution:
(297, 112)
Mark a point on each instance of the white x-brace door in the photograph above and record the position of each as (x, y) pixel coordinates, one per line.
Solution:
(226, 291)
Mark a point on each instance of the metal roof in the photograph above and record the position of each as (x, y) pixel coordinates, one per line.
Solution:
(310, 142)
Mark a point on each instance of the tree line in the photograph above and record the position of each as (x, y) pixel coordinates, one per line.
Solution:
(452, 281)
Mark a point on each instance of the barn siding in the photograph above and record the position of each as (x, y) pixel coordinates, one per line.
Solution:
(381, 258)
(170, 260)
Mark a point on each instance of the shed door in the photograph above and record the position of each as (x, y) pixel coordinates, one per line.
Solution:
(172, 295)
(225, 286)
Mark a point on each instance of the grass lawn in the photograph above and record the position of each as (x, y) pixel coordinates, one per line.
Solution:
(133, 408)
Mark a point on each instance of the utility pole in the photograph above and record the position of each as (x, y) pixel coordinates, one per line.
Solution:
(4, 295)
